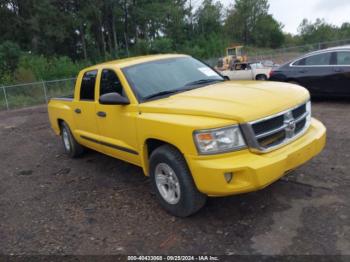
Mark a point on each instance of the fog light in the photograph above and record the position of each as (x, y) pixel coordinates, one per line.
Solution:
(228, 176)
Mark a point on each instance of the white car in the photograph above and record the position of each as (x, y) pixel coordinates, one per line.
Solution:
(247, 71)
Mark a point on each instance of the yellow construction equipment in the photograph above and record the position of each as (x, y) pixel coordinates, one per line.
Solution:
(234, 54)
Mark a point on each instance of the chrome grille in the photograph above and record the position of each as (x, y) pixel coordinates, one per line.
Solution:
(275, 131)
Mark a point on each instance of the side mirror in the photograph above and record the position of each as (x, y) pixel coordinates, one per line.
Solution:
(226, 78)
(113, 99)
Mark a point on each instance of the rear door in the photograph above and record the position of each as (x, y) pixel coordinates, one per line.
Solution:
(315, 72)
(84, 110)
(341, 77)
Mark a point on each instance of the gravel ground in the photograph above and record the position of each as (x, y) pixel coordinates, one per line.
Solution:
(50, 204)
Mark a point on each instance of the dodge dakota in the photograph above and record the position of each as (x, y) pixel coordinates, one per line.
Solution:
(194, 133)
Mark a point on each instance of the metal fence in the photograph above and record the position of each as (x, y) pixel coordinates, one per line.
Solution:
(30, 94)
(283, 55)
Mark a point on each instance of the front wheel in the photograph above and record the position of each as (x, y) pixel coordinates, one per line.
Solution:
(173, 183)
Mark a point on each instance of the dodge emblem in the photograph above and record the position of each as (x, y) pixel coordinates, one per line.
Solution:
(290, 124)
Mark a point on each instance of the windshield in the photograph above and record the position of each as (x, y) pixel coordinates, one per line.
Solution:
(168, 76)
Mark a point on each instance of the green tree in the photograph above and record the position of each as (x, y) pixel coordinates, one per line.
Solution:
(162, 45)
(44, 39)
(208, 18)
(344, 31)
(9, 56)
(268, 32)
(176, 24)
(248, 21)
(319, 31)
(242, 18)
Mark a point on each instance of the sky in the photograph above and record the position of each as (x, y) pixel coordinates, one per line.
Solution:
(291, 12)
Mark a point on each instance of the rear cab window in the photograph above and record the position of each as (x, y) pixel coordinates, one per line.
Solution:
(87, 88)
(238, 67)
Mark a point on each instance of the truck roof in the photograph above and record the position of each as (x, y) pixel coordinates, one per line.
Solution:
(134, 60)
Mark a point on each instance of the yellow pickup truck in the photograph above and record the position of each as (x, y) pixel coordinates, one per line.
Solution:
(193, 132)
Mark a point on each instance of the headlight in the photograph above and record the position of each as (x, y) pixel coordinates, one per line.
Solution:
(219, 140)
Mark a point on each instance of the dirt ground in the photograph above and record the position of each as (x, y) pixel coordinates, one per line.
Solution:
(50, 204)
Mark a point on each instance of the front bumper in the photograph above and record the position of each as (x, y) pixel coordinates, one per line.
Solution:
(252, 171)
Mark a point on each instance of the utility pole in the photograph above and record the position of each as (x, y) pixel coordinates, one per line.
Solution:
(126, 27)
(191, 17)
(6, 101)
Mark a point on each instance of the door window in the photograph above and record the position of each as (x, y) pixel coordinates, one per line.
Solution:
(87, 88)
(316, 60)
(343, 58)
(110, 83)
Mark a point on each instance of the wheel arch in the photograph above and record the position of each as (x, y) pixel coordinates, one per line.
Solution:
(149, 145)
(291, 79)
(59, 123)
(261, 74)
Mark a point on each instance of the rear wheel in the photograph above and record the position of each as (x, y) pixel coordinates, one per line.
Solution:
(71, 146)
(173, 183)
(261, 77)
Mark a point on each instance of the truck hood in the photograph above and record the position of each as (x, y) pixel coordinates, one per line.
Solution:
(242, 101)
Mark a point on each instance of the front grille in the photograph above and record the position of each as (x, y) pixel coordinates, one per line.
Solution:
(272, 140)
(299, 111)
(300, 125)
(272, 132)
(269, 124)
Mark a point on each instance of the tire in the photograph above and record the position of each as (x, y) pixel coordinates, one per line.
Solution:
(261, 77)
(293, 82)
(72, 148)
(169, 173)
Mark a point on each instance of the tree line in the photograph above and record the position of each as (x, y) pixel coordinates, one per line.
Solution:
(41, 39)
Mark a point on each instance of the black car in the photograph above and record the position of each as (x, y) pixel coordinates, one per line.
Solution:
(325, 72)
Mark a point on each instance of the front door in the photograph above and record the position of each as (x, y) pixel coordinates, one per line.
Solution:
(117, 123)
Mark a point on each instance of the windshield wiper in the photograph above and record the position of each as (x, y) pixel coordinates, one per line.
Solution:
(162, 93)
(203, 81)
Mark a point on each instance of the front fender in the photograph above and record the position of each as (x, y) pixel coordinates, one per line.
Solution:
(176, 130)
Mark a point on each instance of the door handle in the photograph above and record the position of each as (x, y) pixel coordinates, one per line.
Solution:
(302, 71)
(101, 114)
(338, 70)
(77, 110)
